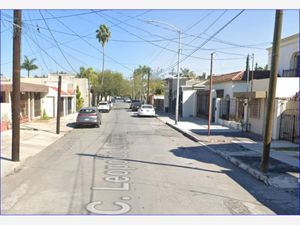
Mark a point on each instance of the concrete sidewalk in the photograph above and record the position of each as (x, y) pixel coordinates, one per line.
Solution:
(244, 150)
(34, 137)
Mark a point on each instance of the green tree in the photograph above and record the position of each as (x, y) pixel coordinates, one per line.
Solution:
(79, 99)
(185, 72)
(92, 77)
(103, 34)
(139, 81)
(29, 65)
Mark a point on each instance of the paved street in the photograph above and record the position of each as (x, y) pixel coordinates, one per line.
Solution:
(133, 165)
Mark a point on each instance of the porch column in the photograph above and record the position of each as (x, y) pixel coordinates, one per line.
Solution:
(29, 108)
(217, 110)
(246, 104)
(31, 105)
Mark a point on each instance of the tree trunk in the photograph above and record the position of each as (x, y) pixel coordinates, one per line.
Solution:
(28, 73)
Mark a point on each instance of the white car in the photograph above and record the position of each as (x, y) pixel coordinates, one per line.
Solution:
(104, 106)
(111, 104)
(146, 110)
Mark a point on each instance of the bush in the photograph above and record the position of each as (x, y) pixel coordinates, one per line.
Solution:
(45, 116)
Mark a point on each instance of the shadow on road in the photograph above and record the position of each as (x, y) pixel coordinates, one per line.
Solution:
(229, 133)
(279, 201)
(75, 126)
(5, 158)
(146, 162)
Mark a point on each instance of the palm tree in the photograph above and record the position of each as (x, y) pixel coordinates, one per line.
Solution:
(185, 72)
(103, 35)
(29, 65)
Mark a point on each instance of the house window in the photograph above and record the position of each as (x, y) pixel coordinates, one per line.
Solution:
(294, 63)
(220, 93)
(254, 107)
(3, 97)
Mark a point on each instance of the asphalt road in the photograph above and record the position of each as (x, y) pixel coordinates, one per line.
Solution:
(133, 165)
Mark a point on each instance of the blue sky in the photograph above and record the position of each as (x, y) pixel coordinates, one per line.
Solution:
(135, 42)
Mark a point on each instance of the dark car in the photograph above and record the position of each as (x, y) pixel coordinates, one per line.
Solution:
(132, 102)
(135, 105)
(88, 116)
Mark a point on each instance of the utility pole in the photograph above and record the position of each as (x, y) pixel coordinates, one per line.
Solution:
(247, 71)
(143, 90)
(148, 87)
(17, 25)
(210, 94)
(252, 72)
(272, 90)
(58, 106)
(177, 89)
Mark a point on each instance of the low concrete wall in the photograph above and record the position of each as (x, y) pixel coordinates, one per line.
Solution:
(230, 124)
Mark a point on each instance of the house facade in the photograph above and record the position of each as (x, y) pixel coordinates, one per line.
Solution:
(170, 94)
(227, 110)
(285, 120)
(288, 65)
(32, 97)
(68, 95)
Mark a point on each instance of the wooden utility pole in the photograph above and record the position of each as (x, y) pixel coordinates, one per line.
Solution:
(210, 94)
(58, 106)
(271, 93)
(252, 73)
(247, 71)
(148, 87)
(16, 85)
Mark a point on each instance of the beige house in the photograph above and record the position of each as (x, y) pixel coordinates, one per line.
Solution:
(31, 102)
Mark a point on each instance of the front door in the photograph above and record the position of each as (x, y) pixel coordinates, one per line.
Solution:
(213, 110)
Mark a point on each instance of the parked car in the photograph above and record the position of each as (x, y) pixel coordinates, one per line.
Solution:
(135, 105)
(110, 104)
(132, 102)
(146, 110)
(88, 116)
(127, 100)
(104, 106)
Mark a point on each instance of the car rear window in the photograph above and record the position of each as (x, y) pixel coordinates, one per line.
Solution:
(147, 107)
(103, 103)
(87, 111)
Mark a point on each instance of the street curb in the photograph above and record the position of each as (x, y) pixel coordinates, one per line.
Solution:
(255, 173)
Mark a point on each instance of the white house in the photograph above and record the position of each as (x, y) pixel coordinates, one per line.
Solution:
(226, 108)
(285, 121)
(189, 96)
(288, 56)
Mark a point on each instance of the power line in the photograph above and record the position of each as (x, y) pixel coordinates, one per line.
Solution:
(164, 48)
(48, 55)
(193, 25)
(57, 43)
(32, 34)
(212, 36)
(167, 39)
(199, 21)
(207, 40)
(65, 16)
(91, 44)
(209, 26)
(145, 39)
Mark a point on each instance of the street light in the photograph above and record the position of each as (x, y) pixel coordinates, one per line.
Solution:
(179, 47)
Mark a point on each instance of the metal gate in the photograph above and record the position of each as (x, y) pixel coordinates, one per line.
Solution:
(37, 104)
(289, 127)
